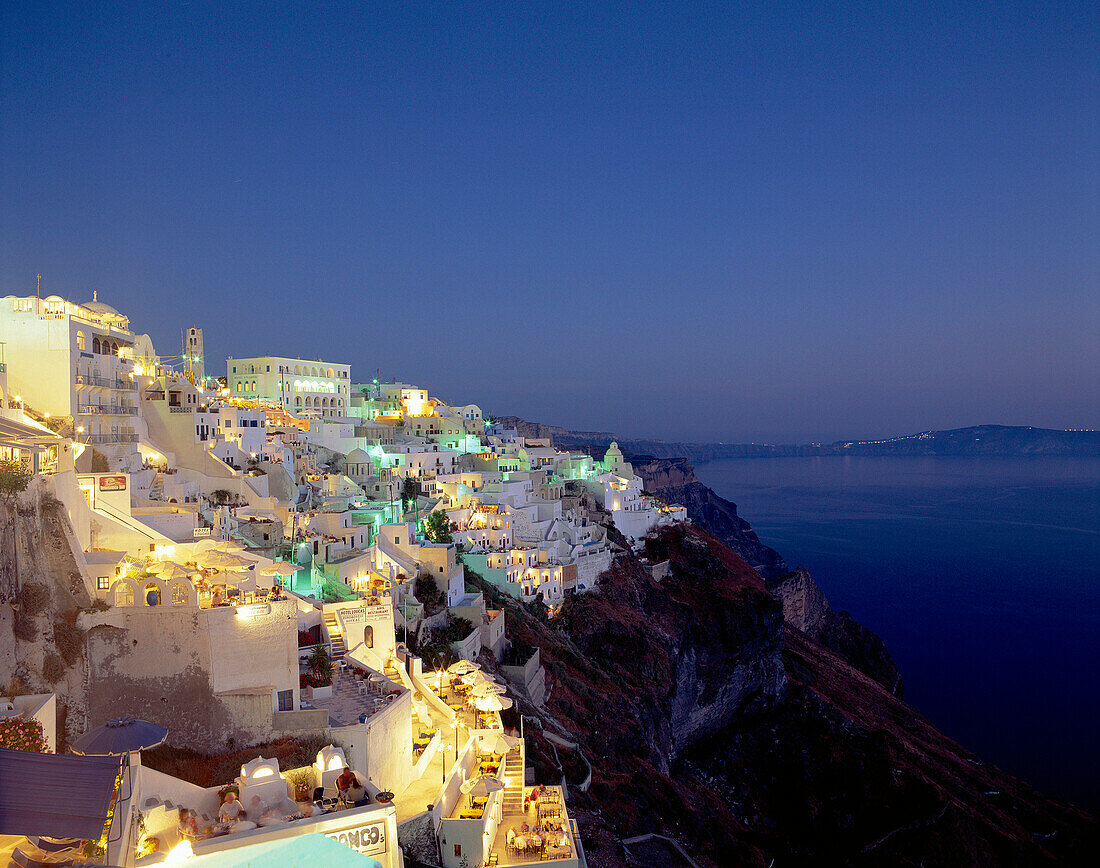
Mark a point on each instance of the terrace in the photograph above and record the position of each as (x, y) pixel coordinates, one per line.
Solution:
(550, 836)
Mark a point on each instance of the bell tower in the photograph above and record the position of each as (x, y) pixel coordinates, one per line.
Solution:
(193, 356)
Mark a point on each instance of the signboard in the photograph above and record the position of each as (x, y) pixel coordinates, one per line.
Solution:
(363, 613)
(366, 838)
(201, 532)
(112, 483)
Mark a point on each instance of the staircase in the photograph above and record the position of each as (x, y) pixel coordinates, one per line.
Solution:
(512, 776)
(156, 487)
(335, 637)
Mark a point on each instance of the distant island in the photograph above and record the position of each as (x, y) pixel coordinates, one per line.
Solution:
(979, 440)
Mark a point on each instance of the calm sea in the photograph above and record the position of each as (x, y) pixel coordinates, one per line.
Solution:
(983, 577)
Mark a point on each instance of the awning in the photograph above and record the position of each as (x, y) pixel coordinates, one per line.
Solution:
(55, 795)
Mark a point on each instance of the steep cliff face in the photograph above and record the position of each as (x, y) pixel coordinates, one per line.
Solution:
(806, 609)
(804, 605)
(706, 718)
(674, 480)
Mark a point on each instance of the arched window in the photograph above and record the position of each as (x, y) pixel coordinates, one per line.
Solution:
(124, 594)
(152, 594)
(298, 401)
(316, 373)
(330, 373)
(368, 636)
(95, 345)
(114, 349)
(80, 341)
(297, 369)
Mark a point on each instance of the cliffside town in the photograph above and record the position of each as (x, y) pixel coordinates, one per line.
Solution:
(431, 637)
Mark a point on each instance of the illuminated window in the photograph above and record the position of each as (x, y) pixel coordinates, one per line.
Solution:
(104, 583)
(80, 341)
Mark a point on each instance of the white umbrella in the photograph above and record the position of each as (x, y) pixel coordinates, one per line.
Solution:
(478, 677)
(498, 742)
(487, 688)
(231, 545)
(240, 579)
(232, 561)
(214, 559)
(463, 667)
(482, 785)
(279, 568)
(162, 568)
(170, 572)
(493, 703)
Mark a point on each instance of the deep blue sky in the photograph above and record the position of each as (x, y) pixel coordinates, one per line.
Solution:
(724, 222)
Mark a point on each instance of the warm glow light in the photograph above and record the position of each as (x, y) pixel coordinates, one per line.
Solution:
(263, 773)
(180, 853)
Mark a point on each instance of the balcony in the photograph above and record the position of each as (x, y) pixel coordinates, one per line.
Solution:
(105, 382)
(105, 410)
(121, 437)
(179, 408)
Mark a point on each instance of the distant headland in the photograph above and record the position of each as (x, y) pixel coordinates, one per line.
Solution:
(979, 440)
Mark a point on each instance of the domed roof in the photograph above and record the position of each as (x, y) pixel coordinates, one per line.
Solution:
(357, 456)
(96, 306)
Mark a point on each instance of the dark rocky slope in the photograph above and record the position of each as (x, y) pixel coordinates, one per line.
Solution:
(706, 719)
(804, 604)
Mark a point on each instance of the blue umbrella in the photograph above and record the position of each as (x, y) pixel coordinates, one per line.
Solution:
(119, 736)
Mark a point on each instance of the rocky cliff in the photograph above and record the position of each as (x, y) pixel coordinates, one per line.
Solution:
(674, 481)
(804, 604)
(704, 717)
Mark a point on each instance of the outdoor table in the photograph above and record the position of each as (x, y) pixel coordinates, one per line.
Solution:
(535, 841)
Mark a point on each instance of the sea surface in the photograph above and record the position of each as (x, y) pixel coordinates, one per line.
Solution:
(981, 574)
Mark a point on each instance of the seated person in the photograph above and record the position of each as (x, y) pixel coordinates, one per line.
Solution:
(231, 810)
(187, 825)
(351, 790)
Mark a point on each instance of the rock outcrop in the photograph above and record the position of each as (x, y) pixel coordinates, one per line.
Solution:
(806, 609)
(674, 481)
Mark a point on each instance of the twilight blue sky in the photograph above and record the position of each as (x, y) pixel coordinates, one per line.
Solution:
(724, 222)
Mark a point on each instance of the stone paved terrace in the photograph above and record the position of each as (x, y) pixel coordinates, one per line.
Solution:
(564, 855)
(347, 703)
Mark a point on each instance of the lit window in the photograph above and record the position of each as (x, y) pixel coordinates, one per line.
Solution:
(104, 583)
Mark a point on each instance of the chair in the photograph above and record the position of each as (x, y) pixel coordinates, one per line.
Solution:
(363, 687)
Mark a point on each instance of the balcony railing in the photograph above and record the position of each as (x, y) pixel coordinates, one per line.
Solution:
(179, 408)
(121, 437)
(90, 380)
(105, 410)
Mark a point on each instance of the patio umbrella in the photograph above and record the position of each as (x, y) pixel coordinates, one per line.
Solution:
(232, 561)
(214, 559)
(498, 742)
(279, 568)
(487, 688)
(482, 785)
(230, 545)
(463, 667)
(162, 567)
(493, 703)
(246, 581)
(478, 677)
(175, 571)
(119, 736)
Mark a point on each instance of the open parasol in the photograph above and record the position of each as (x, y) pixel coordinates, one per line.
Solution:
(119, 736)
(497, 742)
(492, 703)
(463, 667)
(279, 568)
(482, 785)
(488, 688)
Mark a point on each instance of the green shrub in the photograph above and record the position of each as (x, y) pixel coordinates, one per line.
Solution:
(34, 597)
(68, 638)
(53, 670)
